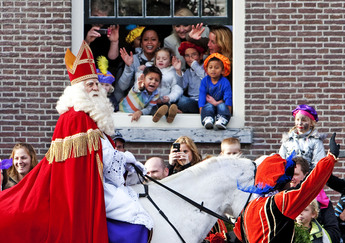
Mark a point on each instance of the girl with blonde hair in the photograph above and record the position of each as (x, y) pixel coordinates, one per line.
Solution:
(220, 40)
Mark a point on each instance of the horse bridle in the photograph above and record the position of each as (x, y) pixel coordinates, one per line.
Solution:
(201, 207)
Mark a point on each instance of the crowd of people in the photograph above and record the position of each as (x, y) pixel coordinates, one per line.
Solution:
(80, 190)
(289, 182)
(189, 82)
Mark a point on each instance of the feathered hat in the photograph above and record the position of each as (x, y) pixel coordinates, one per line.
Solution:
(272, 174)
(225, 61)
(81, 67)
(307, 111)
(104, 76)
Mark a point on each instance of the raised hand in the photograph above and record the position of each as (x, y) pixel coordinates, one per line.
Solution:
(141, 82)
(196, 31)
(128, 59)
(113, 36)
(114, 33)
(92, 34)
(176, 62)
(334, 148)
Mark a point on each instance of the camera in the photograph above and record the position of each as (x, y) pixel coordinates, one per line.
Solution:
(176, 147)
(103, 31)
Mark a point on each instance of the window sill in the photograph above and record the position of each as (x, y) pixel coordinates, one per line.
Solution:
(189, 125)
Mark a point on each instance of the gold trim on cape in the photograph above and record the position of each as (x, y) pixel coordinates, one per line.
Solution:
(100, 166)
(74, 146)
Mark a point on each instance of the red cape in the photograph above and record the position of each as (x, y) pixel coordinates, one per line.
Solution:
(61, 199)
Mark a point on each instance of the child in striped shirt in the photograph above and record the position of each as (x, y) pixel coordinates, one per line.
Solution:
(144, 94)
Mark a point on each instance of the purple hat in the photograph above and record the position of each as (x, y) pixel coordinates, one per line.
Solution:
(307, 111)
(105, 78)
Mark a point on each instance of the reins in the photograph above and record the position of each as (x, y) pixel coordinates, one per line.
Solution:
(146, 194)
(201, 207)
(250, 195)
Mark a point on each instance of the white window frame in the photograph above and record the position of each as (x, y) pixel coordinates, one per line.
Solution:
(183, 121)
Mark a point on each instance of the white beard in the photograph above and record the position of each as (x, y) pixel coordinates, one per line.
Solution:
(98, 107)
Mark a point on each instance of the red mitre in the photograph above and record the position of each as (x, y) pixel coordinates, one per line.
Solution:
(82, 66)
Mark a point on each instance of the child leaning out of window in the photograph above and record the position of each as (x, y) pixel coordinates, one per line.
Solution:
(144, 95)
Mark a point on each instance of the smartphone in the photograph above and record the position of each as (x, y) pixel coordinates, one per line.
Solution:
(103, 31)
(176, 147)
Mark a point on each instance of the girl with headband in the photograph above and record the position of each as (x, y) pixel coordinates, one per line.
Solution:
(304, 137)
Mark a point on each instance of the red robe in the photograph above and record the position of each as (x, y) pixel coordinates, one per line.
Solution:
(61, 199)
(271, 219)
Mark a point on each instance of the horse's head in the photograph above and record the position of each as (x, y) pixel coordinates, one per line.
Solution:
(219, 176)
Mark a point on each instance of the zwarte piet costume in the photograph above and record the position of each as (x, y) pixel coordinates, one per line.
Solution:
(270, 217)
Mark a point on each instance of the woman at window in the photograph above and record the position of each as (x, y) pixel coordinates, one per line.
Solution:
(219, 39)
(179, 34)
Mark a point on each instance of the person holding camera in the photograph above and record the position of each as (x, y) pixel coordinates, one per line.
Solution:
(103, 39)
(183, 154)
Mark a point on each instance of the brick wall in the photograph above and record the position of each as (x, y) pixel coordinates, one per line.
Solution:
(294, 53)
(34, 37)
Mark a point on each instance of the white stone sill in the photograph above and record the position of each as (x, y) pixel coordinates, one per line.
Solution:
(145, 130)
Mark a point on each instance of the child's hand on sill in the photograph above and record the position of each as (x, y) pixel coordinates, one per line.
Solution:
(136, 115)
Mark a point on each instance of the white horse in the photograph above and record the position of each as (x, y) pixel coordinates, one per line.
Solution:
(213, 182)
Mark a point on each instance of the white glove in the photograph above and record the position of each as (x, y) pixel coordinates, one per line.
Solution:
(130, 159)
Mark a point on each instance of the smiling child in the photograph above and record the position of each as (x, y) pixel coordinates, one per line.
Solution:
(304, 138)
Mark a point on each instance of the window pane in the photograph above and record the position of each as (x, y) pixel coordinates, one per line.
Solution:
(130, 7)
(214, 8)
(102, 8)
(158, 7)
(186, 7)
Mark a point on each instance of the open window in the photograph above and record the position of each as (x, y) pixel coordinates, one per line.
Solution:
(140, 12)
